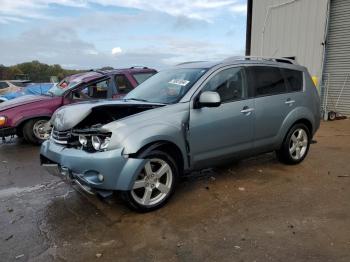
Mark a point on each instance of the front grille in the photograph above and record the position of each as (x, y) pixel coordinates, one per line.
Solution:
(60, 137)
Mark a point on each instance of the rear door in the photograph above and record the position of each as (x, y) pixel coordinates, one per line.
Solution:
(272, 104)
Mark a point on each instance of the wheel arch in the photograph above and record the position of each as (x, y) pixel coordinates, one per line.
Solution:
(302, 120)
(22, 122)
(306, 122)
(166, 146)
(298, 115)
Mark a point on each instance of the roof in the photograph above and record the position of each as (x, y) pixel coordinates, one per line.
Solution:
(16, 81)
(96, 74)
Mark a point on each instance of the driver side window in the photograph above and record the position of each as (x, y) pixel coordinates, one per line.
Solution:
(228, 84)
(94, 91)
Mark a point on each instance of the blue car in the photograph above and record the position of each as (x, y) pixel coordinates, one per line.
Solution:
(30, 89)
(189, 117)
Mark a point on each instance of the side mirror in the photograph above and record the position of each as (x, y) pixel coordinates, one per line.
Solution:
(209, 99)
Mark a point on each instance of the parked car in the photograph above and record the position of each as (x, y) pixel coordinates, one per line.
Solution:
(29, 116)
(10, 86)
(30, 89)
(2, 99)
(190, 117)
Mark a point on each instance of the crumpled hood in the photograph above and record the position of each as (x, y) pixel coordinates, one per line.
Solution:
(23, 100)
(67, 117)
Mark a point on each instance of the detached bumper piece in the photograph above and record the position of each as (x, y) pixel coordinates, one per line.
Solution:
(72, 178)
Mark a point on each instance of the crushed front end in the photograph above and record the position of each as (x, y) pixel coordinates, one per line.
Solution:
(81, 156)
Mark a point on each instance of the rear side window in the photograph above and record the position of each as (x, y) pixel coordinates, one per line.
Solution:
(142, 77)
(294, 79)
(266, 80)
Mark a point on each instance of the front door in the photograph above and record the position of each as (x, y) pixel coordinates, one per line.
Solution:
(219, 133)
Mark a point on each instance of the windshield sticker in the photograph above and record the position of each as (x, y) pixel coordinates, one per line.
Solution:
(63, 85)
(180, 82)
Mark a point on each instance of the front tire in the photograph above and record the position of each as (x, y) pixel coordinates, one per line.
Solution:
(155, 183)
(295, 145)
(35, 132)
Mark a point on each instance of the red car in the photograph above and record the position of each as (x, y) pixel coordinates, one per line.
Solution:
(29, 116)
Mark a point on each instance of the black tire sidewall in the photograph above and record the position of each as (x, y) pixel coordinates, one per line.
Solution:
(332, 116)
(126, 195)
(28, 133)
(284, 153)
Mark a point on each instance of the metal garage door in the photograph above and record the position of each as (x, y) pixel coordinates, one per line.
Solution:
(337, 59)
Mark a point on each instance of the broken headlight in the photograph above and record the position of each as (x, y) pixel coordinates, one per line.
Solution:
(100, 143)
(83, 140)
(94, 142)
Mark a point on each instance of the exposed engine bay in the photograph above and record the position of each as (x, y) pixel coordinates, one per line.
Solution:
(80, 125)
(102, 115)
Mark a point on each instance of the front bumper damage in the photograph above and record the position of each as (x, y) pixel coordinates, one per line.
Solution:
(85, 169)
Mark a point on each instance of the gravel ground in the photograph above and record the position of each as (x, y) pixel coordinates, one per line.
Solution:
(253, 210)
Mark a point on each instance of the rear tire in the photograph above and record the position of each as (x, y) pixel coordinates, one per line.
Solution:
(295, 145)
(155, 184)
(33, 133)
(332, 116)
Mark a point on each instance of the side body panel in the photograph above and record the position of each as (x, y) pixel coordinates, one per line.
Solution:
(271, 111)
(167, 124)
(15, 116)
(220, 133)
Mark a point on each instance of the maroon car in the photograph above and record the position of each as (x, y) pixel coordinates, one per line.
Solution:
(29, 116)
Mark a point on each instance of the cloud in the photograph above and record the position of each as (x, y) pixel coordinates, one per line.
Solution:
(239, 8)
(98, 37)
(62, 44)
(116, 50)
(204, 10)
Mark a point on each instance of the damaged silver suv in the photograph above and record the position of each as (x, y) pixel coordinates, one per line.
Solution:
(192, 116)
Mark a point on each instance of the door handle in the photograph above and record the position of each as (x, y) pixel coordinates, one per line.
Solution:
(289, 102)
(247, 110)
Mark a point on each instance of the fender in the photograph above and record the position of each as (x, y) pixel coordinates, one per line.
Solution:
(137, 140)
(24, 119)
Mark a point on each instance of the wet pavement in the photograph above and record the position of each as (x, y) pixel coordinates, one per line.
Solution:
(252, 210)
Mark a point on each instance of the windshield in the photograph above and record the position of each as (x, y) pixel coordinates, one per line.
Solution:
(168, 86)
(61, 87)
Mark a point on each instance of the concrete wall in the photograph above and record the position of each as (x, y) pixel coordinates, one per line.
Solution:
(294, 29)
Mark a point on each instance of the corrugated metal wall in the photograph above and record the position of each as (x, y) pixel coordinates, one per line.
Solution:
(294, 29)
(337, 62)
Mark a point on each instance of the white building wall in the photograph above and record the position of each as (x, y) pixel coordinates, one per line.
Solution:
(290, 28)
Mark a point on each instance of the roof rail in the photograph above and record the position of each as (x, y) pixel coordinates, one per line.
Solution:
(274, 59)
(143, 67)
(190, 62)
(102, 72)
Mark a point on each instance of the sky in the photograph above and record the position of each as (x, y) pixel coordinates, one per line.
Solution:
(84, 34)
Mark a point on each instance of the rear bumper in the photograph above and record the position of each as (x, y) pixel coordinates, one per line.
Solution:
(118, 171)
(7, 131)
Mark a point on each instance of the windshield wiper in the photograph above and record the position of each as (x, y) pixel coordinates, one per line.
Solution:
(136, 99)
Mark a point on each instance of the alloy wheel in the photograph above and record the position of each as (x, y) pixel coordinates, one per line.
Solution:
(298, 144)
(153, 184)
